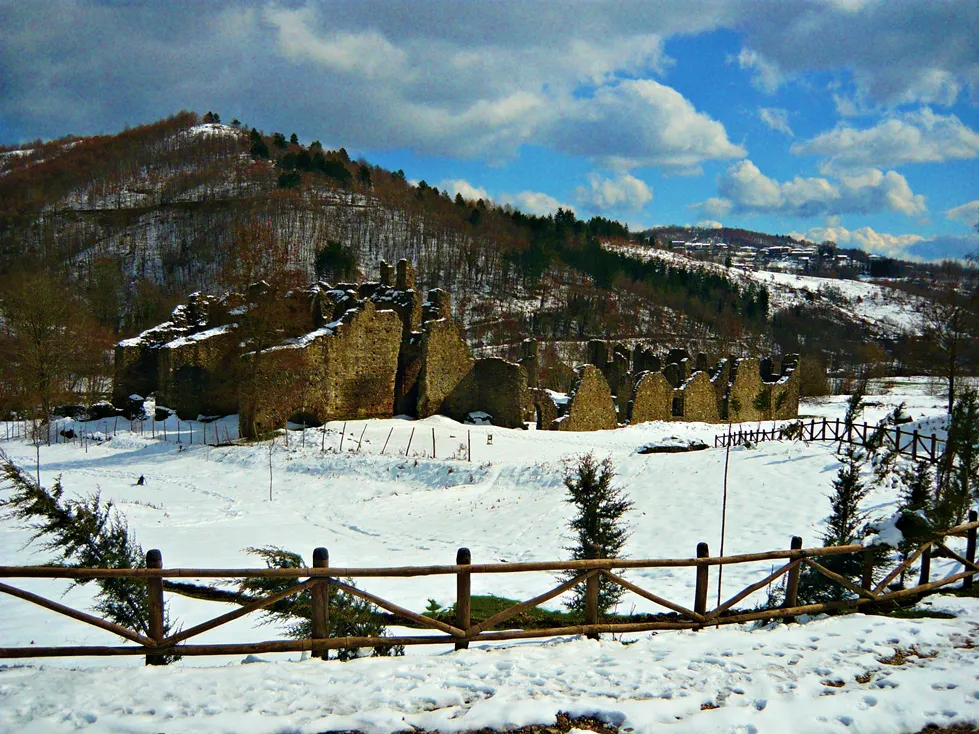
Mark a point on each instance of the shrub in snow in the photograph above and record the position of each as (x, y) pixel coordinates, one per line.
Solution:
(350, 616)
(132, 408)
(101, 410)
(598, 527)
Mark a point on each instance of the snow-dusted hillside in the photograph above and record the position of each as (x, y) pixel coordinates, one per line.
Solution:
(202, 506)
(883, 310)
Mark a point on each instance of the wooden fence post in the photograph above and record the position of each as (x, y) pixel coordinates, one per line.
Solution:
(411, 436)
(700, 598)
(463, 595)
(867, 581)
(154, 590)
(792, 584)
(934, 447)
(591, 604)
(320, 599)
(914, 446)
(970, 548)
(925, 568)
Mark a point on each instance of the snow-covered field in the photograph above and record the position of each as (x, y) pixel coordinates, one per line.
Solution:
(202, 506)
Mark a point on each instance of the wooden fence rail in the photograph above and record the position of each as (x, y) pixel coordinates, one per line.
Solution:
(909, 443)
(321, 580)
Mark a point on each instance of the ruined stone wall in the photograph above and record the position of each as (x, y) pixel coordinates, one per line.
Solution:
(445, 381)
(720, 379)
(591, 407)
(342, 373)
(652, 399)
(362, 364)
(745, 388)
(501, 391)
(135, 372)
(788, 384)
(196, 374)
(545, 409)
(700, 399)
(530, 360)
(409, 371)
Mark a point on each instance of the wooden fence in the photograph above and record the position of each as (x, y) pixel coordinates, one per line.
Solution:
(320, 578)
(909, 443)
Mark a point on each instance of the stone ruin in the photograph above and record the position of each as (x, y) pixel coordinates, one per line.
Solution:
(378, 349)
(684, 387)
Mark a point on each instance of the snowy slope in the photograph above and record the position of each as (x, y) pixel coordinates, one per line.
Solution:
(202, 506)
(884, 310)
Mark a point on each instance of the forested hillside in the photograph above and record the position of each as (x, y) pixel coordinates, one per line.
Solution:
(136, 220)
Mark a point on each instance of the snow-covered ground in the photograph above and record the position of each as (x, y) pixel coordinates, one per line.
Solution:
(203, 505)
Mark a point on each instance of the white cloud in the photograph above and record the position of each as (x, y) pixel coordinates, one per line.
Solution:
(915, 137)
(624, 192)
(901, 246)
(777, 119)
(535, 202)
(708, 224)
(640, 123)
(866, 238)
(968, 213)
(766, 76)
(461, 186)
(366, 54)
(913, 51)
(748, 190)
(713, 207)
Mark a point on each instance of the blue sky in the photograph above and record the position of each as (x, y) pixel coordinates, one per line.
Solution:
(850, 120)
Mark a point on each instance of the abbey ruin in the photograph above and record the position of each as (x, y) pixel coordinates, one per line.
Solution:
(378, 349)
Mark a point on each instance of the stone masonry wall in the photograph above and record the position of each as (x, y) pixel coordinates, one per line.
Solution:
(196, 374)
(591, 407)
(445, 381)
(700, 400)
(745, 388)
(652, 399)
(344, 373)
(501, 391)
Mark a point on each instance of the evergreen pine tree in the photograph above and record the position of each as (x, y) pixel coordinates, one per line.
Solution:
(958, 474)
(844, 521)
(599, 531)
(85, 533)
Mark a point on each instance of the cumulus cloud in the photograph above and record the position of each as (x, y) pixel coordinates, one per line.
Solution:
(535, 202)
(766, 76)
(889, 64)
(476, 79)
(866, 238)
(713, 207)
(625, 192)
(920, 136)
(708, 224)
(968, 213)
(777, 119)
(900, 246)
(641, 123)
(461, 186)
(747, 190)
